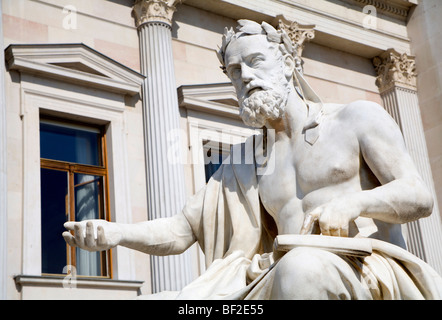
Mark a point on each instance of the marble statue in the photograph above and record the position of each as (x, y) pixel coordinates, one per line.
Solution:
(323, 224)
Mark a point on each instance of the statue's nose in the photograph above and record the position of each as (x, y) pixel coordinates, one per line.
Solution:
(246, 74)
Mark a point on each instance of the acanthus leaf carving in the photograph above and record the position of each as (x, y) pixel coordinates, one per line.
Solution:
(154, 10)
(299, 34)
(395, 69)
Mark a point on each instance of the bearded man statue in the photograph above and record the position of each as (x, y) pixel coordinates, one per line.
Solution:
(323, 223)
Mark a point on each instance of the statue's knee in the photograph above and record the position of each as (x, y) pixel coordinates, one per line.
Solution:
(302, 263)
(299, 274)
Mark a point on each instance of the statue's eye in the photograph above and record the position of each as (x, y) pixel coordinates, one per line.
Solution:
(256, 61)
(235, 73)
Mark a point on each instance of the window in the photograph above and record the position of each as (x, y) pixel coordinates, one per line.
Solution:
(214, 155)
(74, 187)
(103, 92)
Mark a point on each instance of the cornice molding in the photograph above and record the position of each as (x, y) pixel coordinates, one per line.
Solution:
(145, 11)
(395, 70)
(395, 8)
(332, 30)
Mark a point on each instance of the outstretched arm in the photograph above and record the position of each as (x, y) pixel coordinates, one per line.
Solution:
(165, 236)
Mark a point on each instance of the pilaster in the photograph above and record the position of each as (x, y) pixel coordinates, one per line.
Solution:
(166, 194)
(396, 81)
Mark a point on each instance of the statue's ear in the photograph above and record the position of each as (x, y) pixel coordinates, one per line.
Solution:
(289, 66)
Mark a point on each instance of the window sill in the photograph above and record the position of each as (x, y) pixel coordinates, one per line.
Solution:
(63, 287)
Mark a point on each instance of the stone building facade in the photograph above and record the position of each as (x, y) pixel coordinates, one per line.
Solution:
(137, 84)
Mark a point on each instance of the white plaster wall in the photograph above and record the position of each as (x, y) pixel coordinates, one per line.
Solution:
(196, 36)
(106, 26)
(338, 76)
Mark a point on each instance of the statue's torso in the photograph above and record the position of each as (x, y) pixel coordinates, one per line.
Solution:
(306, 176)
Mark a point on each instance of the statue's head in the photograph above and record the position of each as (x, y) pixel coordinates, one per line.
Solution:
(258, 59)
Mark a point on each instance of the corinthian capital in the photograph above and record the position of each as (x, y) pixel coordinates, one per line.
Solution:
(299, 34)
(395, 69)
(154, 10)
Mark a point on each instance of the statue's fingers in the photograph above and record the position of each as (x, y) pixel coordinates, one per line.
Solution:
(309, 222)
(69, 238)
(70, 225)
(90, 237)
(329, 227)
(79, 235)
(325, 228)
(344, 232)
(338, 228)
(101, 238)
(335, 231)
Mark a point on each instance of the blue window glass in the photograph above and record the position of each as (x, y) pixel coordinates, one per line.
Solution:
(211, 167)
(70, 143)
(88, 205)
(54, 205)
(213, 158)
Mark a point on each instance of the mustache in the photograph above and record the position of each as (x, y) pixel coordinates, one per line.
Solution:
(256, 85)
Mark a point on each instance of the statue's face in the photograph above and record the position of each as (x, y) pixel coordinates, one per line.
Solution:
(256, 69)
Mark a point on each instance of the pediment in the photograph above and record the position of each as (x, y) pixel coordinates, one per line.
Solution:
(79, 67)
(75, 63)
(219, 98)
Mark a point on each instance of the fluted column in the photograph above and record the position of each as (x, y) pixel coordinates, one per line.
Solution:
(397, 85)
(166, 192)
(3, 173)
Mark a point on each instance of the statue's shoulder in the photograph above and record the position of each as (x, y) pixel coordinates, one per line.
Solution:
(360, 110)
(365, 116)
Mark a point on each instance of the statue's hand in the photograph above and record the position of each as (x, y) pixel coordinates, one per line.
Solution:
(93, 235)
(334, 217)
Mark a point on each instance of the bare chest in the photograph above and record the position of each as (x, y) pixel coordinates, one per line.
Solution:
(329, 162)
(301, 169)
(278, 185)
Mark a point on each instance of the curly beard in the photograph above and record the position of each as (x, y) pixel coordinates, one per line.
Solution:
(262, 106)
